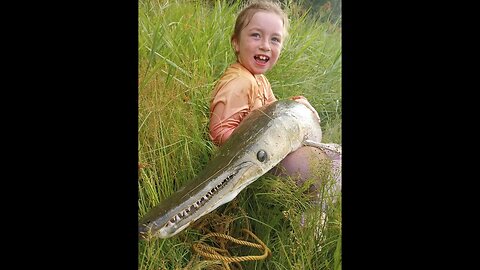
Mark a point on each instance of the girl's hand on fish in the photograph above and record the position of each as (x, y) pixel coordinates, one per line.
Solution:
(304, 101)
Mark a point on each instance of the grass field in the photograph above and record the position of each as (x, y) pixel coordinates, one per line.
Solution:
(183, 49)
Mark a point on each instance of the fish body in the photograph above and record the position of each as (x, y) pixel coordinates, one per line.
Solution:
(263, 139)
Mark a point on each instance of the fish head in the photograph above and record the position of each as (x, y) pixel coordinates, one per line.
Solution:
(183, 208)
(180, 210)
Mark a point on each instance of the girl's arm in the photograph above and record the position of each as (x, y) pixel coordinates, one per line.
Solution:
(228, 108)
(222, 128)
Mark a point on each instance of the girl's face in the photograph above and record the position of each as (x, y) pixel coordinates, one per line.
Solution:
(260, 42)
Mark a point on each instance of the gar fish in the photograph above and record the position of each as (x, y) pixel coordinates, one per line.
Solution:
(263, 139)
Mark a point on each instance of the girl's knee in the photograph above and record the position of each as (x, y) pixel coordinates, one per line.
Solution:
(301, 164)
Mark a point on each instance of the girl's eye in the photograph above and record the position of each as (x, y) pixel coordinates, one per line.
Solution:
(276, 40)
(257, 35)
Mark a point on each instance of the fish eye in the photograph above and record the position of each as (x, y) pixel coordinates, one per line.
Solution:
(261, 155)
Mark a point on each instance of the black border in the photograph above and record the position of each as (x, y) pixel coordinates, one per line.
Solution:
(76, 142)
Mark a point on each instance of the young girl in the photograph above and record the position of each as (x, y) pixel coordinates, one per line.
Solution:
(259, 34)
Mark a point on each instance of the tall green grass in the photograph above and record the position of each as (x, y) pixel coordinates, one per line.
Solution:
(183, 49)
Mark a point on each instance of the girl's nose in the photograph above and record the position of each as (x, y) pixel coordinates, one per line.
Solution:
(265, 46)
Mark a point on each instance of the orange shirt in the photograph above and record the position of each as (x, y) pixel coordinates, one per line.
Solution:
(236, 94)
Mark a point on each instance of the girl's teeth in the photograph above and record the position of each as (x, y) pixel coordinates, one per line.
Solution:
(262, 57)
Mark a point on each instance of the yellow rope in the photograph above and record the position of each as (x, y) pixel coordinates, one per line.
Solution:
(214, 253)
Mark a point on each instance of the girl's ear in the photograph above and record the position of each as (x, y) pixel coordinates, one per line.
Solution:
(235, 45)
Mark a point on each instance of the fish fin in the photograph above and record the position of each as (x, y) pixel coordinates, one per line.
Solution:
(333, 150)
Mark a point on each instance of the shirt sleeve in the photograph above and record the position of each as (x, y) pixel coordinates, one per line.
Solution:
(228, 108)
(220, 131)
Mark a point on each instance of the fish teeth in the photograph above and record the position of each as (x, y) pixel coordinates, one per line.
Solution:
(185, 212)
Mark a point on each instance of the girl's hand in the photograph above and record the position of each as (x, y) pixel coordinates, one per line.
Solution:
(304, 101)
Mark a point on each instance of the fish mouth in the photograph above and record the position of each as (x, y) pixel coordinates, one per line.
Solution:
(223, 190)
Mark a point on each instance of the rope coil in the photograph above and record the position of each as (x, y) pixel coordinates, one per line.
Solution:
(213, 253)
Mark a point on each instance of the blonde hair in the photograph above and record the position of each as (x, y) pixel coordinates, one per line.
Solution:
(252, 7)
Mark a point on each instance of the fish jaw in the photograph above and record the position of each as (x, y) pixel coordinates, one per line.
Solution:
(221, 189)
